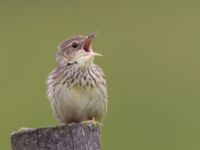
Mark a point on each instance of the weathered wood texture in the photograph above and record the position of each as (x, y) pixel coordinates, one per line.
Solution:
(66, 137)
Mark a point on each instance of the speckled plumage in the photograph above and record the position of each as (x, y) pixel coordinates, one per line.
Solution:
(76, 87)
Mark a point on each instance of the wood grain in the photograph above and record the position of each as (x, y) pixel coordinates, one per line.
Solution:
(67, 137)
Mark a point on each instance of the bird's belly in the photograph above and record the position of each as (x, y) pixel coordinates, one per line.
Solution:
(81, 104)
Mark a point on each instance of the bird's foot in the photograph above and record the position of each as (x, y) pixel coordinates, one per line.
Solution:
(24, 129)
(92, 123)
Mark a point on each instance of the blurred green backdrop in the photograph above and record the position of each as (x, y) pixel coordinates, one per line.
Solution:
(151, 58)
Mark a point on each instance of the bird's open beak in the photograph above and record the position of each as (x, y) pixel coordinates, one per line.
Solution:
(87, 44)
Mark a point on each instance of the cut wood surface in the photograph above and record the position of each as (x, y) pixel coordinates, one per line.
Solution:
(67, 137)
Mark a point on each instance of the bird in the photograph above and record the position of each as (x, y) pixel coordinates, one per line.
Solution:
(77, 88)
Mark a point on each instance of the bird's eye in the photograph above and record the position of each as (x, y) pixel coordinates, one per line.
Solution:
(75, 44)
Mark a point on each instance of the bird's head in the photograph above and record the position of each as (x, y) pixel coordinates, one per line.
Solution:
(77, 49)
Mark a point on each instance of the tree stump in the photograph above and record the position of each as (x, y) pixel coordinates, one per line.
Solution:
(67, 137)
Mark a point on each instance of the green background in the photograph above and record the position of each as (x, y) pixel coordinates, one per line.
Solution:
(151, 59)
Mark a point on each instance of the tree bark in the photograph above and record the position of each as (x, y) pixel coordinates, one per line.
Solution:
(66, 137)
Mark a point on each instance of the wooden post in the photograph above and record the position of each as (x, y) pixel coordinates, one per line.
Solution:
(67, 137)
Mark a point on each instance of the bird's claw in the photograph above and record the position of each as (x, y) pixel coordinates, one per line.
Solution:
(22, 129)
(92, 123)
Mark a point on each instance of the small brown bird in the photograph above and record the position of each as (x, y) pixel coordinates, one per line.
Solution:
(77, 88)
